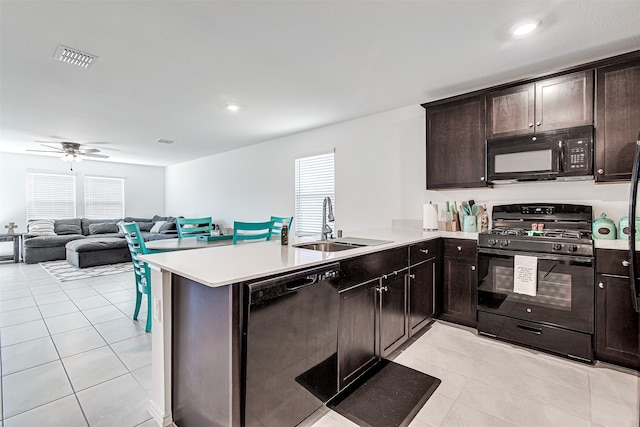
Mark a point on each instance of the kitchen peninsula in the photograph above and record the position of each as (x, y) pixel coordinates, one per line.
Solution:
(199, 310)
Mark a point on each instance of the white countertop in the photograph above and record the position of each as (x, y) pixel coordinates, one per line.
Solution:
(221, 266)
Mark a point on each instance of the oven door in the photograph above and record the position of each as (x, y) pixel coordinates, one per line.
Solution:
(564, 294)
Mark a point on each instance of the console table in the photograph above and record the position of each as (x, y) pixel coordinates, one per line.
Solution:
(16, 246)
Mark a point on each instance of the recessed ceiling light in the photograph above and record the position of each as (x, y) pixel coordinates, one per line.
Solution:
(232, 107)
(524, 28)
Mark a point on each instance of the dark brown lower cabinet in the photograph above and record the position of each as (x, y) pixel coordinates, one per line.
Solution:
(357, 334)
(617, 323)
(393, 312)
(460, 282)
(421, 291)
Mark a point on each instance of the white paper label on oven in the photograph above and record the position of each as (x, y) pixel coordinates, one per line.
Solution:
(525, 275)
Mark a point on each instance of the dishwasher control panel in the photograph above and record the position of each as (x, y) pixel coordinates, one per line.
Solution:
(268, 290)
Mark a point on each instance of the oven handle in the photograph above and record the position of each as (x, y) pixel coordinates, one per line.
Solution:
(537, 331)
(550, 257)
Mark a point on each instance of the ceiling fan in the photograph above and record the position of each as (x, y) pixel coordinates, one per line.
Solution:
(71, 151)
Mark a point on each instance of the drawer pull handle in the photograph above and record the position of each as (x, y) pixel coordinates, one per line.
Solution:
(459, 248)
(531, 330)
(601, 285)
(473, 268)
(412, 276)
(424, 251)
(625, 263)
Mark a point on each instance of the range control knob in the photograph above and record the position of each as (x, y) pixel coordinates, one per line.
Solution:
(492, 242)
(556, 246)
(572, 248)
(504, 243)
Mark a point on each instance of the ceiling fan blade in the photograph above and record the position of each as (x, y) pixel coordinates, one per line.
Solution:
(98, 156)
(45, 151)
(58, 149)
(89, 150)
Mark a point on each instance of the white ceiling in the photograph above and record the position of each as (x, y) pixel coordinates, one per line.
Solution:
(167, 69)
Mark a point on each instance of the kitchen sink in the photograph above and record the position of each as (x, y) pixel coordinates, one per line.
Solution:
(341, 244)
(327, 246)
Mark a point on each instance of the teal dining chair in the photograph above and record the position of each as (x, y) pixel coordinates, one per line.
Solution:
(251, 231)
(277, 224)
(141, 269)
(192, 227)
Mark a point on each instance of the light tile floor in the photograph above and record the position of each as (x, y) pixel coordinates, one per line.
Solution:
(490, 383)
(70, 355)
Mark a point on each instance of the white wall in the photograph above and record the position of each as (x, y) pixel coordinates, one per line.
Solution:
(380, 176)
(144, 185)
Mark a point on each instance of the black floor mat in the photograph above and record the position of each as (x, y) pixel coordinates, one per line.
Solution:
(389, 396)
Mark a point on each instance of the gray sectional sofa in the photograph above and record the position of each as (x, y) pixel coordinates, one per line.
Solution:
(87, 242)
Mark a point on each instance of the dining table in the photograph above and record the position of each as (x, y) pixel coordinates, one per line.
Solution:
(179, 244)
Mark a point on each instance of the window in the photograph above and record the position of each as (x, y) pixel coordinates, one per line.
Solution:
(103, 197)
(51, 196)
(315, 180)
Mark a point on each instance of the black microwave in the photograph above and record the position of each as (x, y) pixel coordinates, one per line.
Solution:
(562, 154)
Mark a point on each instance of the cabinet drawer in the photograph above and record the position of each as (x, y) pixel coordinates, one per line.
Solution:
(610, 261)
(423, 251)
(460, 248)
(561, 341)
(367, 267)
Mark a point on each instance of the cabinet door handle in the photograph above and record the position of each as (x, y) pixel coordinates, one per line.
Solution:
(482, 178)
(459, 248)
(473, 268)
(530, 125)
(382, 289)
(600, 171)
(601, 285)
(424, 251)
(625, 263)
(412, 276)
(539, 123)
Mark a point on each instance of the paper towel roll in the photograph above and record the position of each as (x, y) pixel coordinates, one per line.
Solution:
(430, 217)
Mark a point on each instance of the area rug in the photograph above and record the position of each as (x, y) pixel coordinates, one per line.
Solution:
(390, 396)
(64, 272)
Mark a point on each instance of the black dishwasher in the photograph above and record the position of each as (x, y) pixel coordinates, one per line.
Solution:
(290, 346)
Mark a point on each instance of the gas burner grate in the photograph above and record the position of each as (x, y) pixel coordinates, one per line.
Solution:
(567, 234)
(508, 231)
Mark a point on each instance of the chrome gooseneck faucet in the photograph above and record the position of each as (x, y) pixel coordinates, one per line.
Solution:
(326, 230)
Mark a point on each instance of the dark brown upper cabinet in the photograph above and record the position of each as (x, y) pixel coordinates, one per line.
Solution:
(456, 144)
(555, 103)
(617, 120)
(510, 111)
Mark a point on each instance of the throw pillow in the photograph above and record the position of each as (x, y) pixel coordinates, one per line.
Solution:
(145, 226)
(41, 227)
(67, 226)
(170, 225)
(103, 228)
(157, 226)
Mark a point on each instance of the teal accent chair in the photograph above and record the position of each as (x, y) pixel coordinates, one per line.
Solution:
(251, 231)
(277, 224)
(192, 227)
(141, 269)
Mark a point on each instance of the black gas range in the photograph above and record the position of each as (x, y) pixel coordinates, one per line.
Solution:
(536, 274)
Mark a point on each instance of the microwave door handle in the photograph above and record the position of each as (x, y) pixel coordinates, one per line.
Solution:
(560, 165)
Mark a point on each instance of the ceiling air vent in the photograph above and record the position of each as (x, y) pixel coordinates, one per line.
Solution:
(165, 141)
(74, 56)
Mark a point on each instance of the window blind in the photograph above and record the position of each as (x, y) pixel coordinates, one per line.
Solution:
(103, 197)
(50, 196)
(315, 180)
